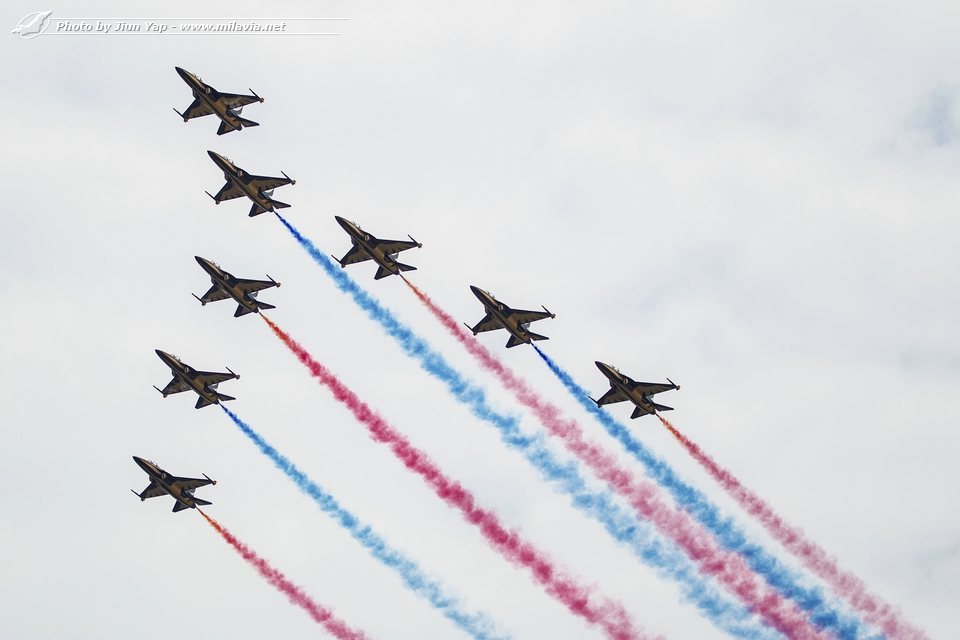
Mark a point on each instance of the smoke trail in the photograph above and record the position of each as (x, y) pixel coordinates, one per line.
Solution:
(808, 552)
(477, 625)
(611, 616)
(565, 476)
(337, 628)
(728, 533)
(728, 568)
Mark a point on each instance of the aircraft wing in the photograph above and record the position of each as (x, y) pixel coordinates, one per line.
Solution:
(395, 246)
(214, 294)
(611, 396)
(356, 254)
(197, 109)
(234, 100)
(488, 323)
(650, 388)
(175, 386)
(249, 286)
(229, 192)
(523, 317)
(265, 183)
(211, 377)
(188, 484)
(153, 490)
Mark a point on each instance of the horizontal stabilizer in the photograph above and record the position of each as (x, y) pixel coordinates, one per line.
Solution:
(201, 503)
(248, 123)
(536, 336)
(639, 411)
(179, 506)
(404, 267)
(660, 407)
(513, 341)
(222, 397)
(264, 305)
(256, 210)
(225, 127)
(241, 311)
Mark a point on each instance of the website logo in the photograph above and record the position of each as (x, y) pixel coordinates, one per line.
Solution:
(33, 24)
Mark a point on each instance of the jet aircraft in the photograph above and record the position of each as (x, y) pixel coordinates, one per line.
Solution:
(240, 183)
(367, 247)
(186, 378)
(624, 388)
(515, 321)
(163, 483)
(226, 106)
(243, 292)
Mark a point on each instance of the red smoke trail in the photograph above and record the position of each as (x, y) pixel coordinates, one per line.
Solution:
(813, 557)
(337, 628)
(579, 600)
(729, 569)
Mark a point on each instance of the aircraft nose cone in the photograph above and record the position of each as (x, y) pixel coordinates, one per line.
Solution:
(213, 156)
(476, 290)
(140, 462)
(601, 366)
(203, 262)
(342, 222)
(181, 72)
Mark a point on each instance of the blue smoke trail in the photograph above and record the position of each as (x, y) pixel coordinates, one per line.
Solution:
(732, 537)
(477, 625)
(622, 525)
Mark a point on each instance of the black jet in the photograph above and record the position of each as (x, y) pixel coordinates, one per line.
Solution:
(165, 484)
(226, 285)
(369, 247)
(186, 378)
(623, 388)
(226, 106)
(259, 189)
(515, 321)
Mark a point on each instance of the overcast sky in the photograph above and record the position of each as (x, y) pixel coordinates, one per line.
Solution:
(757, 200)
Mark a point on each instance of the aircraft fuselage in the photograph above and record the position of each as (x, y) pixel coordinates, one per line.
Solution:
(210, 97)
(229, 284)
(241, 179)
(502, 314)
(364, 241)
(188, 375)
(165, 481)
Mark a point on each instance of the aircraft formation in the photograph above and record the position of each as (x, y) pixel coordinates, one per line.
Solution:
(773, 602)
